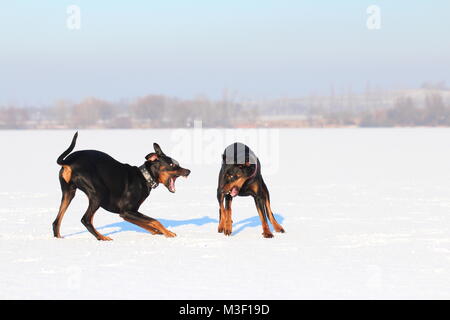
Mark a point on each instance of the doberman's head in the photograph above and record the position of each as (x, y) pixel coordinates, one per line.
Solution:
(239, 164)
(164, 169)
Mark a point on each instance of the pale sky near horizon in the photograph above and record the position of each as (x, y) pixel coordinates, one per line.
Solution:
(257, 49)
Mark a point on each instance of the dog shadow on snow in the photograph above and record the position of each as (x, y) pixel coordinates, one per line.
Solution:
(237, 226)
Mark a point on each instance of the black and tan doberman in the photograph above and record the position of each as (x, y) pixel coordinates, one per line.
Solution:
(240, 175)
(114, 186)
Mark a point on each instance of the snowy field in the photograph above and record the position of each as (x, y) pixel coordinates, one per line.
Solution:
(366, 213)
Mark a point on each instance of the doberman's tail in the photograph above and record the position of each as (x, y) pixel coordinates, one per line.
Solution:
(60, 159)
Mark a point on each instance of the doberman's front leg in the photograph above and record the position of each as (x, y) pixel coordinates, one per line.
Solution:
(147, 223)
(88, 218)
(228, 223)
(220, 198)
(263, 216)
(273, 221)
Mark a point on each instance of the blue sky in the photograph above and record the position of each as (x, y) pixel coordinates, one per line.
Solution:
(258, 49)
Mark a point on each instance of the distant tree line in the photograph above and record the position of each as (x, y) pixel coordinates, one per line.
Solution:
(151, 111)
(406, 112)
(158, 111)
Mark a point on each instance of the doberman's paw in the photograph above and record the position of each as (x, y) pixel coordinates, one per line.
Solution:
(279, 229)
(228, 228)
(220, 229)
(104, 238)
(267, 234)
(170, 234)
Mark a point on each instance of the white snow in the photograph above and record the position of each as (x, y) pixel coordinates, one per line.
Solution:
(366, 213)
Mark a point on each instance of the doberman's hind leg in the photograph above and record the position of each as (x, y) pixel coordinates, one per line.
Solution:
(68, 193)
(147, 223)
(88, 218)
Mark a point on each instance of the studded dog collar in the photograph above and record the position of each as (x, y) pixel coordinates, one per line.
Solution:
(151, 183)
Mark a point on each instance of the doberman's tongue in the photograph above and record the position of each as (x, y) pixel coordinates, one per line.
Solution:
(172, 185)
(234, 192)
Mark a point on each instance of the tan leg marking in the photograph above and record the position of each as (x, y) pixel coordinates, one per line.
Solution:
(228, 222)
(222, 217)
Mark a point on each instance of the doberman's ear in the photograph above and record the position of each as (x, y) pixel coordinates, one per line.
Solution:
(158, 149)
(151, 157)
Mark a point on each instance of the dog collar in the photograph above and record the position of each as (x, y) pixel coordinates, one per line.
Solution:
(254, 172)
(151, 183)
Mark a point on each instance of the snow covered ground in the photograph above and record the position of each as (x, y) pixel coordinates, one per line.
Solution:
(366, 213)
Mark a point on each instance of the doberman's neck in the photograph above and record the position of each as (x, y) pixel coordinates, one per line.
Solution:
(149, 172)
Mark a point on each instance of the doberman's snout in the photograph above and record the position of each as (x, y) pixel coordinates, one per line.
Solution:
(186, 172)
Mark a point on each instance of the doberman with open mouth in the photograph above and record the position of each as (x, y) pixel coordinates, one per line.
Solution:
(114, 186)
(240, 175)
